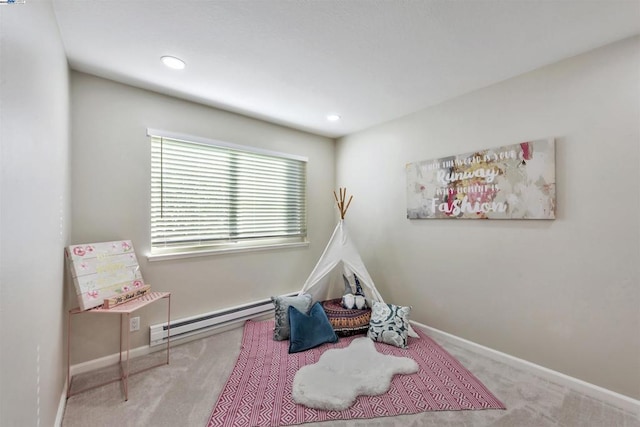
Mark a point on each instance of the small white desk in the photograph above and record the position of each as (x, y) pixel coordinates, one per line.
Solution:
(124, 310)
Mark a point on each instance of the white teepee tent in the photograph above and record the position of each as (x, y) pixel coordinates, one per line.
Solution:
(341, 251)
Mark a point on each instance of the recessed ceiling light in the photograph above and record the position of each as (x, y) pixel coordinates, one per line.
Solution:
(173, 62)
(333, 117)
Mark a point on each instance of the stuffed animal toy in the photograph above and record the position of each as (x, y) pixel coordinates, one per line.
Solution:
(348, 298)
(351, 300)
(361, 301)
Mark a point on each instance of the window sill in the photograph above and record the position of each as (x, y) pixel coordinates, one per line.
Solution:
(221, 251)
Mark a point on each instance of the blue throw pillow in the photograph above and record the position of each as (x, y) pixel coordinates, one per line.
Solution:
(309, 330)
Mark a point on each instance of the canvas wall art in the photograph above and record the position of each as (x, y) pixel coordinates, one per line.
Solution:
(509, 182)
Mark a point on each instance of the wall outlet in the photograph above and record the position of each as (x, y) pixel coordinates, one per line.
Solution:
(134, 324)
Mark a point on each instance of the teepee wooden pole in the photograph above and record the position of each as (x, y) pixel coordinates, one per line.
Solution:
(347, 207)
(340, 202)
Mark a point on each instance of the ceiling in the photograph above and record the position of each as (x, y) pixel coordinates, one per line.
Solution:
(293, 62)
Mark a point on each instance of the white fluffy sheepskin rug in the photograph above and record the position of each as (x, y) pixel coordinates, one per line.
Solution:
(341, 375)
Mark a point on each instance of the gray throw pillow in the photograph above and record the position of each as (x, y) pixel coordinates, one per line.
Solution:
(302, 303)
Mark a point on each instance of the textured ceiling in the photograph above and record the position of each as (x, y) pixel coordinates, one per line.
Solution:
(293, 62)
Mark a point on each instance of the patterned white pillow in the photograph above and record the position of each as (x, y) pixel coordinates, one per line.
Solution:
(389, 324)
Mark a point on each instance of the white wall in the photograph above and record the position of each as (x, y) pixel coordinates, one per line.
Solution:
(111, 191)
(34, 213)
(565, 293)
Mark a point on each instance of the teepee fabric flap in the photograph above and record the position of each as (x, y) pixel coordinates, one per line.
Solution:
(341, 249)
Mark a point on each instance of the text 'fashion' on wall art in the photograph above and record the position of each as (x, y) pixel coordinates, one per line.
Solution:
(511, 182)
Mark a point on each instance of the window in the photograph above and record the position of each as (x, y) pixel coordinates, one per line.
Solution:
(212, 195)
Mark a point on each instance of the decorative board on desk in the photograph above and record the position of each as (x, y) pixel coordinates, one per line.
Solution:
(103, 270)
(126, 297)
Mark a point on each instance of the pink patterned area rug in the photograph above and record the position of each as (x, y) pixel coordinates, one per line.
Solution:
(258, 391)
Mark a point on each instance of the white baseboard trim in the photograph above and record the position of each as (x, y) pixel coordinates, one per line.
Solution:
(112, 359)
(61, 406)
(611, 397)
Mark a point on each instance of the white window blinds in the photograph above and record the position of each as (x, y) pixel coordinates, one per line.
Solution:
(213, 195)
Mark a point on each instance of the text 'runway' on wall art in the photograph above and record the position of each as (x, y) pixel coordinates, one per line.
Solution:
(511, 182)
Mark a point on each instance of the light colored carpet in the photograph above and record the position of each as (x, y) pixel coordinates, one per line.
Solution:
(184, 392)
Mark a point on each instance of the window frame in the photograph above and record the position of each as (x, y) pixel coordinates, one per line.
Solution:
(224, 246)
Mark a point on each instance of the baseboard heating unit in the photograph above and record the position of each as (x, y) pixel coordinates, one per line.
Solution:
(190, 326)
